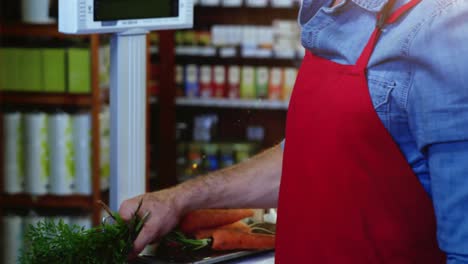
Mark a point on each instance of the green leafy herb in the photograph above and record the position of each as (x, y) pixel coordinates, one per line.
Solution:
(178, 238)
(50, 242)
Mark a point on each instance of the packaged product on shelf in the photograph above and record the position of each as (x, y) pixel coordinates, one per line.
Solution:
(192, 88)
(256, 3)
(226, 155)
(265, 42)
(247, 88)
(233, 82)
(231, 3)
(179, 80)
(104, 132)
(12, 73)
(275, 84)
(30, 67)
(242, 151)
(287, 36)
(205, 127)
(37, 171)
(54, 70)
(82, 146)
(12, 239)
(282, 3)
(255, 133)
(84, 221)
(261, 82)
(209, 2)
(290, 75)
(194, 165)
(36, 12)
(210, 159)
(13, 169)
(219, 81)
(61, 160)
(79, 70)
(205, 45)
(206, 89)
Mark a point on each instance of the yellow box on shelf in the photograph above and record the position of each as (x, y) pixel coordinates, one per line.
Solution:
(30, 70)
(10, 72)
(54, 69)
(79, 70)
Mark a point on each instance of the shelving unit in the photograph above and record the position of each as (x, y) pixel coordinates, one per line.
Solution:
(209, 15)
(214, 60)
(92, 101)
(55, 99)
(234, 114)
(232, 103)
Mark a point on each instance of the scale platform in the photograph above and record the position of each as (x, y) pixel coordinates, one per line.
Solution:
(226, 257)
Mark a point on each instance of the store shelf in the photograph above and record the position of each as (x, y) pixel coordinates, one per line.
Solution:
(47, 201)
(34, 30)
(218, 15)
(211, 60)
(233, 103)
(51, 99)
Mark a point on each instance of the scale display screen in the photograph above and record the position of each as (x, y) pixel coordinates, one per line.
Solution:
(113, 16)
(108, 10)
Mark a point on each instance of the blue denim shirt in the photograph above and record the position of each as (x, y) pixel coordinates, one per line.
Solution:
(418, 81)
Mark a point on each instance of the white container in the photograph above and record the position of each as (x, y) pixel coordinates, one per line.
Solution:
(13, 153)
(12, 238)
(209, 2)
(61, 160)
(105, 149)
(282, 3)
(36, 154)
(36, 12)
(83, 221)
(257, 3)
(231, 3)
(82, 148)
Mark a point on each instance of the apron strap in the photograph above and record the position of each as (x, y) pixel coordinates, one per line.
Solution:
(383, 18)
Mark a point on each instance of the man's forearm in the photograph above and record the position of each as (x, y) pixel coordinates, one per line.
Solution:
(253, 183)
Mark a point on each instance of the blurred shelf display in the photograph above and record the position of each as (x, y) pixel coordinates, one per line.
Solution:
(34, 30)
(82, 202)
(238, 63)
(232, 103)
(53, 99)
(209, 15)
(44, 77)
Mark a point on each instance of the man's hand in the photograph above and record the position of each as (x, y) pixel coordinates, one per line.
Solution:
(164, 215)
(253, 183)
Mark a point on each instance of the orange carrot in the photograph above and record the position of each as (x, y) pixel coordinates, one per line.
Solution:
(206, 233)
(225, 239)
(209, 218)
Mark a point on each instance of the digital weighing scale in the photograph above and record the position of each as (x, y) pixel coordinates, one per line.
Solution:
(129, 21)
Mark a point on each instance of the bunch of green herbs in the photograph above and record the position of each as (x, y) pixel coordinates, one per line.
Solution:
(50, 242)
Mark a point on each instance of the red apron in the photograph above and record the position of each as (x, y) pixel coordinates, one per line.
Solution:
(347, 193)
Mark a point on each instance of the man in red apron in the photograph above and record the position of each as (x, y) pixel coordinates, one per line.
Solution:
(348, 197)
(365, 203)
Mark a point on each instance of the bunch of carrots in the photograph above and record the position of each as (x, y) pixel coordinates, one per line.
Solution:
(220, 229)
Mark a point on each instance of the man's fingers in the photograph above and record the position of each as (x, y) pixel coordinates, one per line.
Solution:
(147, 235)
(128, 208)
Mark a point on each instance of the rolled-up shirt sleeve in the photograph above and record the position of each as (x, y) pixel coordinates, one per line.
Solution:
(438, 116)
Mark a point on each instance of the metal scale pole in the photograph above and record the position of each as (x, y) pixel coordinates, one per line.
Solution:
(127, 116)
